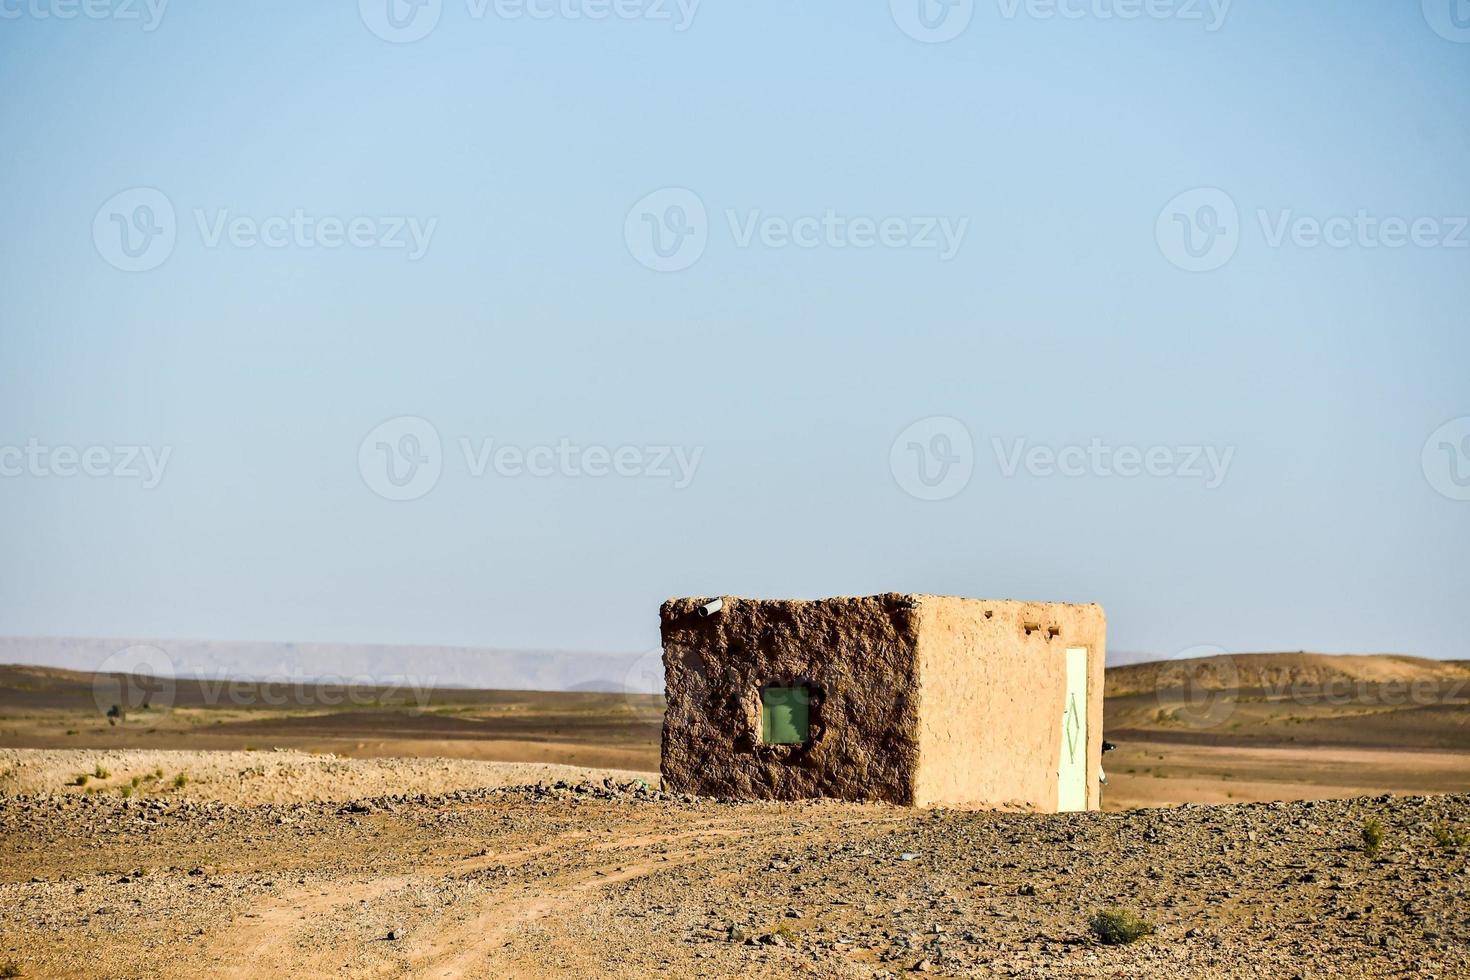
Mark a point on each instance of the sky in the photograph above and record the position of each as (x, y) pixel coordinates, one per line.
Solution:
(497, 323)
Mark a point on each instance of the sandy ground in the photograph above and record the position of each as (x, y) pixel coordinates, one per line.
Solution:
(612, 879)
(1168, 773)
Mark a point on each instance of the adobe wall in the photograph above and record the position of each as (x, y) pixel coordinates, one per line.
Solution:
(859, 653)
(992, 697)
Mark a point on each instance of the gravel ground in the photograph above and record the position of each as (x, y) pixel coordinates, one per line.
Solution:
(612, 878)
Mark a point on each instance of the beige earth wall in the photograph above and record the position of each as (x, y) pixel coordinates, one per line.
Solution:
(992, 697)
(858, 652)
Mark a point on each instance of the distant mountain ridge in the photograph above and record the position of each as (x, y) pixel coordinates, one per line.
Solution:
(1281, 671)
(437, 666)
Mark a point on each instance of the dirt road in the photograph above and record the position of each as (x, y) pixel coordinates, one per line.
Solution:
(625, 882)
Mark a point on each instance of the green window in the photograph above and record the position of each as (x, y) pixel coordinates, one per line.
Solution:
(784, 716)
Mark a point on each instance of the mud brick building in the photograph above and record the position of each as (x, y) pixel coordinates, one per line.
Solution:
(912, 699)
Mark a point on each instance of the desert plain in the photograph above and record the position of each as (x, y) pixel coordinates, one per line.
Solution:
(458, 833)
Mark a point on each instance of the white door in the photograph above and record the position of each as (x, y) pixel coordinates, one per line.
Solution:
(1072, 771)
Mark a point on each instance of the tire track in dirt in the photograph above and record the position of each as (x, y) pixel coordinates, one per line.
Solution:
(476, 945)
(264, 940)
(272, 938)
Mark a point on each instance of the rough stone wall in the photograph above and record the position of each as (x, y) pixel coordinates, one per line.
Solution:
(992, 695)
(857, 653)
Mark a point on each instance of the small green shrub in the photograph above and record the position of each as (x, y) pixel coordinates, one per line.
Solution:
(1450, 838)
(1372, 834)
(100, 772)
(1118, 927)
(126, 791)
(136, 781)
(81, 779)
(181, 780)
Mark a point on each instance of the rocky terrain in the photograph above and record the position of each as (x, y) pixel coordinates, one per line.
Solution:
(277, 776)
(614, 878)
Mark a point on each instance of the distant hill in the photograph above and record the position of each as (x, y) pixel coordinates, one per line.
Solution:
(1276, 671)
(1382, 700)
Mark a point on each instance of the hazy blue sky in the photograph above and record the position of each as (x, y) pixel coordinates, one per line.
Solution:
(553, 164)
